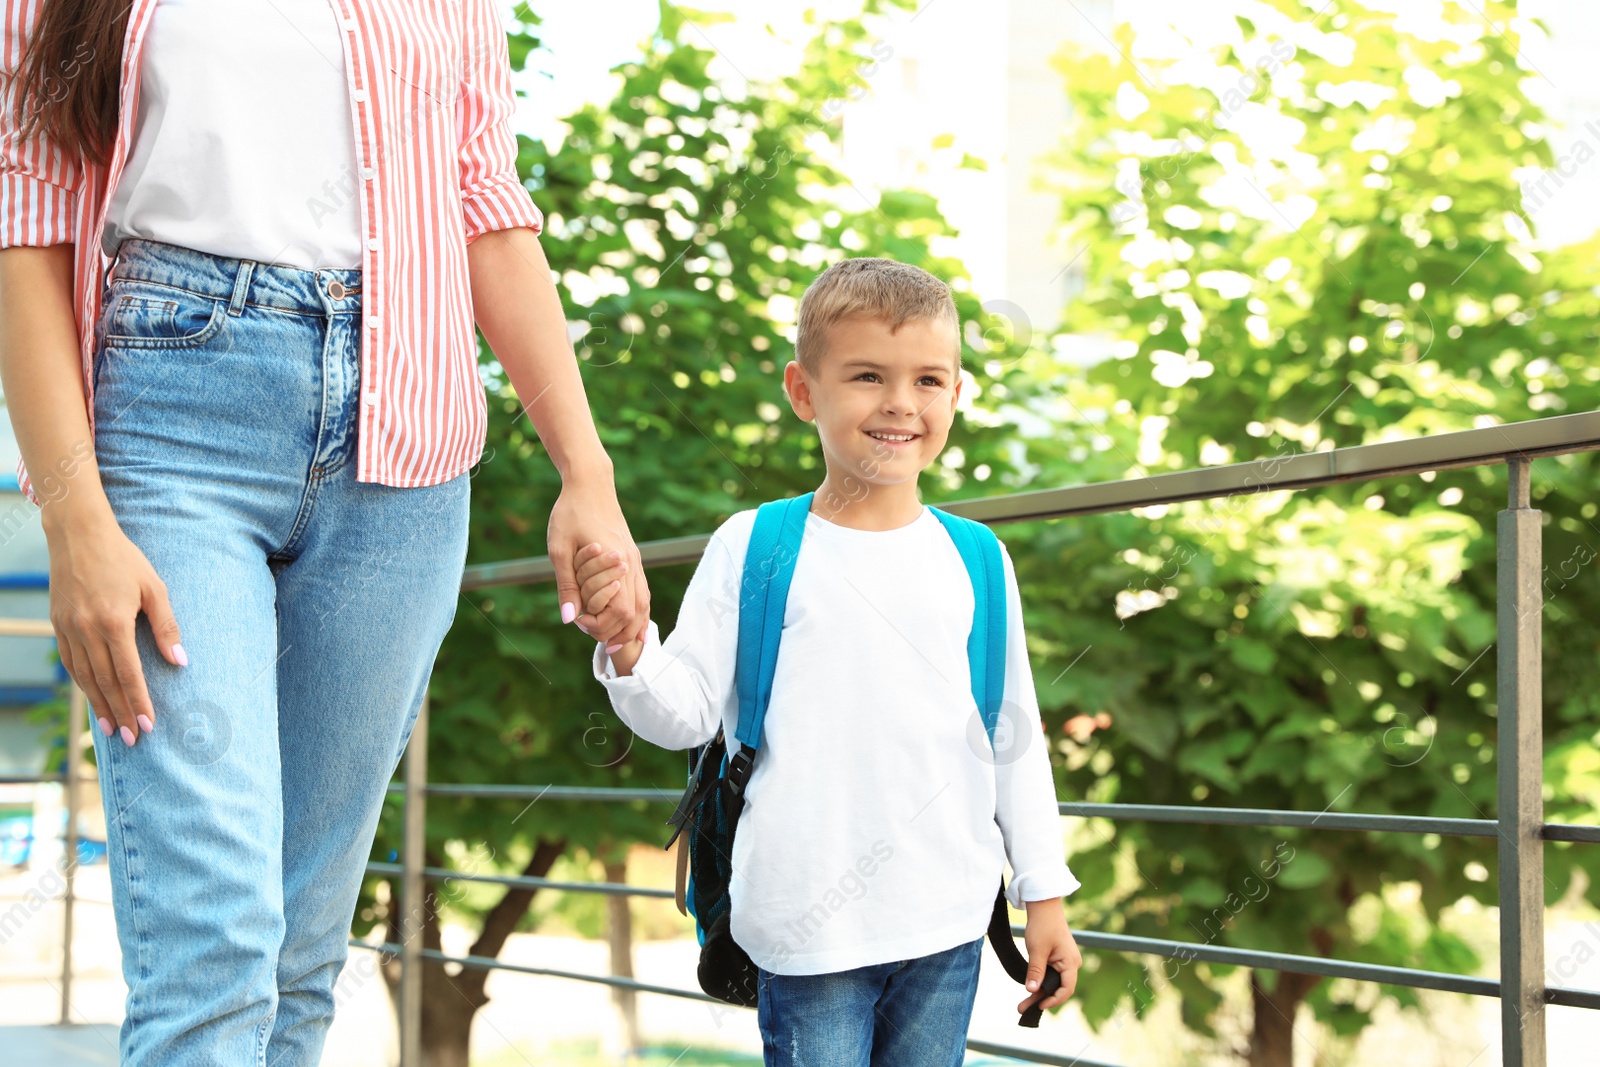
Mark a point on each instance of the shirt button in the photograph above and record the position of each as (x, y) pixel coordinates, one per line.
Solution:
(368, 173)
(372, 322)
(372, 243)
(349, 24)
(360, 95)
(372, 396)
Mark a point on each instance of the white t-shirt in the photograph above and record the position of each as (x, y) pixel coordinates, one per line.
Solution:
(869, 832)
(243, 143)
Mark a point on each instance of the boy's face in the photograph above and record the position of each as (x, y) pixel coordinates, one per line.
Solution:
(872, 389)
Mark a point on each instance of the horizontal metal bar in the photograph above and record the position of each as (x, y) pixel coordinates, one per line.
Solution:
(1283, 961)
(533, 569)
(1464, 448)
(1556, 435)
(1277, 961)
(486, 963)
(1144, 946)
(1032, 1055)
(1175, 813)
(1572, 998)
(547, 792)
(1327, 820)
(1564, 831)
(444, 874)
(32, 779)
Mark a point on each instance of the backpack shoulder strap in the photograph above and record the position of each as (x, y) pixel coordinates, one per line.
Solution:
(986, 644)
(986, 654)
(763, 593)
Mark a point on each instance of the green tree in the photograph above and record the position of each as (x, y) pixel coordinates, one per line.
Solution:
(1309, 237)
(684, 220)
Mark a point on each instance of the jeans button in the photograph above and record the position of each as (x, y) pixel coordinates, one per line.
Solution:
(336, 290)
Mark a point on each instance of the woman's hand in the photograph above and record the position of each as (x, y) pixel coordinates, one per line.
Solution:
(99, 582)
(1051, 944)
(587, 511)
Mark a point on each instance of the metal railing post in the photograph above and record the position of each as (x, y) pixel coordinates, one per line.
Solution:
(1519, 606)
(77, 715)
(412, 860)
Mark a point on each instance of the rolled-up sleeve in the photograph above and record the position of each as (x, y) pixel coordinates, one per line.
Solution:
(492, 193)
(39, 181)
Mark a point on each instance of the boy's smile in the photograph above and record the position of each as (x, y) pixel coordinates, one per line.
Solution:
(883, 402)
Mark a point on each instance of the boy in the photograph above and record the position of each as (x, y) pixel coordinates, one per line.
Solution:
(877, 819)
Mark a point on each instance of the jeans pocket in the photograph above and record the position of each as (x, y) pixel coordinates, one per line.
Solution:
(142, 314)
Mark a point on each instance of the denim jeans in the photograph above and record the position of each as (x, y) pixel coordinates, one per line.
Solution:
(311, 607)
(913, 1013)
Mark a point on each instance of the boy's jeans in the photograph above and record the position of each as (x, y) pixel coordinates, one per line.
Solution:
(913, 1013)
(311, 610)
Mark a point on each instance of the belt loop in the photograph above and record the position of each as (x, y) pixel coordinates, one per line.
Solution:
(241, 286)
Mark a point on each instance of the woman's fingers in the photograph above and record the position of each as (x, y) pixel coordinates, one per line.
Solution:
(163, 623)
(100, 582)
(104, 672)
(641, 598)
(130, 679)
(562, 552)
(83, 676)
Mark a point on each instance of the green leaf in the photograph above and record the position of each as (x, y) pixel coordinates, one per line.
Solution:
(1257, 657)
(1305, 870)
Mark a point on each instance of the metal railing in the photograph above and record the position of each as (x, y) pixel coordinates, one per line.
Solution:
(1519, 826)
(70, 778)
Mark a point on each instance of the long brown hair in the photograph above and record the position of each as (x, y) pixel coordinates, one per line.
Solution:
(67, 83)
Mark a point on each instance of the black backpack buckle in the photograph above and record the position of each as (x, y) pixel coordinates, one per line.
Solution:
(738, 773)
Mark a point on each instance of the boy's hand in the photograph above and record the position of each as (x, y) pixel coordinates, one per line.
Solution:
(1049, 942)
(599, 576)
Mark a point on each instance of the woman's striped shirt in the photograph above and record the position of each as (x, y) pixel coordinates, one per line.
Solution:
(431, 101)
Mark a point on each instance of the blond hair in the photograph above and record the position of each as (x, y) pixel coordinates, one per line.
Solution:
(894, 293)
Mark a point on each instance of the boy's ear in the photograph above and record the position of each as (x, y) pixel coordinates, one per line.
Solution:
(798, 391)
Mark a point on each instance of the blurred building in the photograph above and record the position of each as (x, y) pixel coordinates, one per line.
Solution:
(29, 672)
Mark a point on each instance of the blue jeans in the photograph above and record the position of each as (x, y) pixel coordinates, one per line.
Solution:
(311, 606)
(913, 1013)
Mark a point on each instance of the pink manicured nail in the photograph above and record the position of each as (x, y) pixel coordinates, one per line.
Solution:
(127, 737)
(611, 650)
(105, 726)
(568, 613)
(180, 655)
(146, 725)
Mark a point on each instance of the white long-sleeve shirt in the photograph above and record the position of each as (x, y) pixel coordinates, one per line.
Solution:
(877, 818)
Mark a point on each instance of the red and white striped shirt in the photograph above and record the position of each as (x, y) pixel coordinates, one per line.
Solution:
(431, 101)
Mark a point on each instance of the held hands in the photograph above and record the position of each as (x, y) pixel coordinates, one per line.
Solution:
(585, 512)
(1049, 942)
(602, 574)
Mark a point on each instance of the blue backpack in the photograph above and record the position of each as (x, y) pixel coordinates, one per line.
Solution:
(710, 808)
